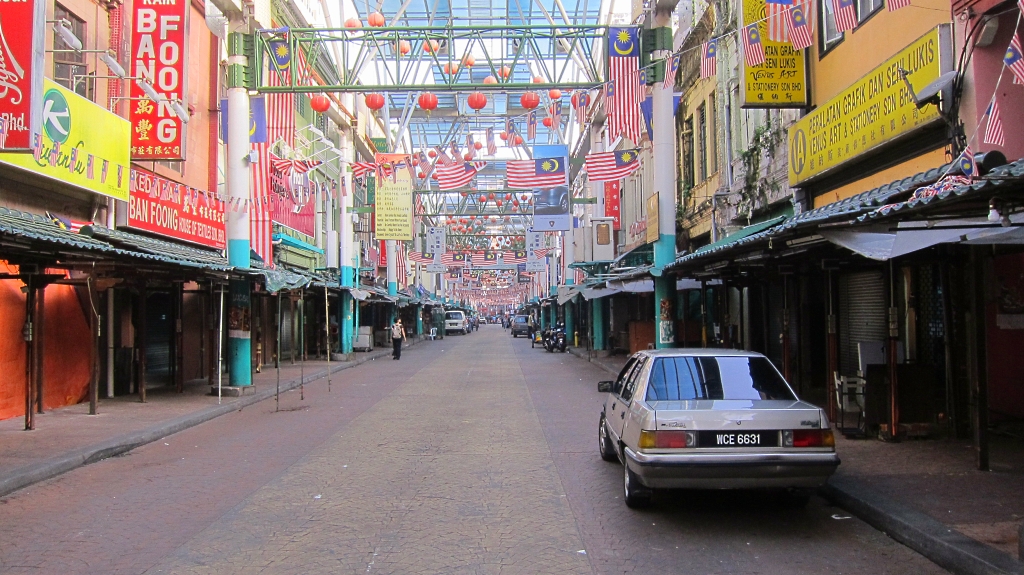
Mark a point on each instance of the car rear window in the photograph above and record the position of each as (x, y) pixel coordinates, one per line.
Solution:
(521, 319)
(684, 378)
(453, 315)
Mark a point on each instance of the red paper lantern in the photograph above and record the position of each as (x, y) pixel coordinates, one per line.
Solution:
(547, 122)
(524, 197)
(420, 175)
(432, 154)
(477, 100)
(428, 102)
(482, 198)
(490, 80)
(320, 103)
(497, 203)
(469, 60)
(375, 19)
(431, 46)
(452, 69)
(508, 196)
(555, 94)
(374, 101)
(503, 135)
(467, 156)
(433, 176)
(538, 80)
(353, 23)
(515, 209)
(529, 100)
(478, 145)
(404, 47)
(505, 72)
(515, 203)
(519, 140)
(491, 195)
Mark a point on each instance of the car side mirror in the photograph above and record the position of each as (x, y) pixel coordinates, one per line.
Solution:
(604, 386)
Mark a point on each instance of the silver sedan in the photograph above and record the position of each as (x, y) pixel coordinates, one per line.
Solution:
(712, 419)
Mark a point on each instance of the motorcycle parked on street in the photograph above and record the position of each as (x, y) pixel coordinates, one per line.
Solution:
(555, 338)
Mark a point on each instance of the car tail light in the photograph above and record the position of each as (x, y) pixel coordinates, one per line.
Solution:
(808, 438)
(667, 439)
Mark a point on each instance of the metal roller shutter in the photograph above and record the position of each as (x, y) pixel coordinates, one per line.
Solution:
(863, 305)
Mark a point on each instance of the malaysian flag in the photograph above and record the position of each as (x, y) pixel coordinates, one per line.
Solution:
(421, 257)
(492, 147)
(709, 59)
(442, 157)
(1014, 59)
(456, 154)
(360, 169)
(994, 127)
(556, 115)
(671, 67)
(470, 148)
(845, 14)
(625, 94)
(581, 101)
(609, 166)
(778, 19)
(539, 173)
(799, 27)
(966, 163)
(457, 175)
(753, 49)
(424, 164)
(892, 5)
(531, 124)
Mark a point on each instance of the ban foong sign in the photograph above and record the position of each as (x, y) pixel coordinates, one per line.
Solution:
(161, 206)
(874, 111)
(159, 49)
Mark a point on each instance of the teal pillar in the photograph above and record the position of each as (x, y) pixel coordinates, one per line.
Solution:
(239, 314)
(597, 323)
(543, 318)
(664, 298)
(419, 319)
(570, 323)
(347, 323)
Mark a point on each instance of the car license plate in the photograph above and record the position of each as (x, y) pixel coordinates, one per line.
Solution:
(738, 439)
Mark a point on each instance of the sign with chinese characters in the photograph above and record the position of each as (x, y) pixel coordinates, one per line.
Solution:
(534, 242)
(170, 209)
(612, 203)
(79, 144)
(875, 110)
(781, 81)
(159, 51)
(22, 37)
(393, 206)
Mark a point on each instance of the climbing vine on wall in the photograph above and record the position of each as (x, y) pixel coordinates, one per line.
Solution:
(756, 187)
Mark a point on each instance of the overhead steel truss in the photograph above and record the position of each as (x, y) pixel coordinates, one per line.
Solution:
(564, 57)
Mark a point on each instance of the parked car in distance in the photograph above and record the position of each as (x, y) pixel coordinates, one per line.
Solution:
(456, 321)
(520, 325)
(712, 419)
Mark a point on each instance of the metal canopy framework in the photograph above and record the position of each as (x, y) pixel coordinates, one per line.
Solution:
(564, 57)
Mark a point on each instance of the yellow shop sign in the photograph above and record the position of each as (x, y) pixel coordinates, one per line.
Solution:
(81, 144)
(781, 81)
(875, 110)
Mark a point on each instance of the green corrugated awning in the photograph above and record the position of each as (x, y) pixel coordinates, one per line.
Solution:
(279, 279)
(171, 252)
(296, 243)
(742, 233)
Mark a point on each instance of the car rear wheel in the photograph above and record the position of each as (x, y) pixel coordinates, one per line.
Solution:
(795, 498)
(604, 443)
(636, 495)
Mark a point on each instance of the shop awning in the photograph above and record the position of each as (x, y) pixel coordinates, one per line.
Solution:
(171, 252)
(632, 285)
(295, 243)
(567, 293)
(738, 235)
(886, 242)
(279, 279)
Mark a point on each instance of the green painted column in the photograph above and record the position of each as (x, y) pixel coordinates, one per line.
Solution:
(543, 318)
(598, 325)
(419, 319)
(570, 322)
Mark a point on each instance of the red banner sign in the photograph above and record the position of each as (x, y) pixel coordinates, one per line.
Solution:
(612, 205)
(159, 44)
(383, 259)
(23, 32)
(174, 210)
(293, 202)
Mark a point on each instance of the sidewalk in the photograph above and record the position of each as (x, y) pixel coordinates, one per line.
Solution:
(67, 438)
(927, 495)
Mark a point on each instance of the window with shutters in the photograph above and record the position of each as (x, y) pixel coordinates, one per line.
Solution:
(702, 144)
(69, 67)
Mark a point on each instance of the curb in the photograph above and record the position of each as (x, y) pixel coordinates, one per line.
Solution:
(35, 472)
(943, 545)
(580, 354)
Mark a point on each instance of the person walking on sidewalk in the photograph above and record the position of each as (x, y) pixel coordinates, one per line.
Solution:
(397, 337)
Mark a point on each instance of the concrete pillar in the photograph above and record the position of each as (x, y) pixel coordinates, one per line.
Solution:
(392, 251)
(570, 323)
(237, 220)
(348, 255)
(665, 184)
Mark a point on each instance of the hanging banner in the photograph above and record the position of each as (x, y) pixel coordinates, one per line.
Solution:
(612, 203)
(170, 209)
(382, 260)
(23, 32)
(393, 207)
(159, 53)
(781, 81)
(257, 119)
(872, 112)
(80, 144)
(293, 202)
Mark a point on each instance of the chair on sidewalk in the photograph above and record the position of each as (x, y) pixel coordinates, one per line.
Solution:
(433, 334)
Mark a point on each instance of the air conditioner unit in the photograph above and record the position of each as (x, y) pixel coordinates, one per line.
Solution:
(603, 238)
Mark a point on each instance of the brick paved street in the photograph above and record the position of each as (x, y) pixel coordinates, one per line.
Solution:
(475, 454)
